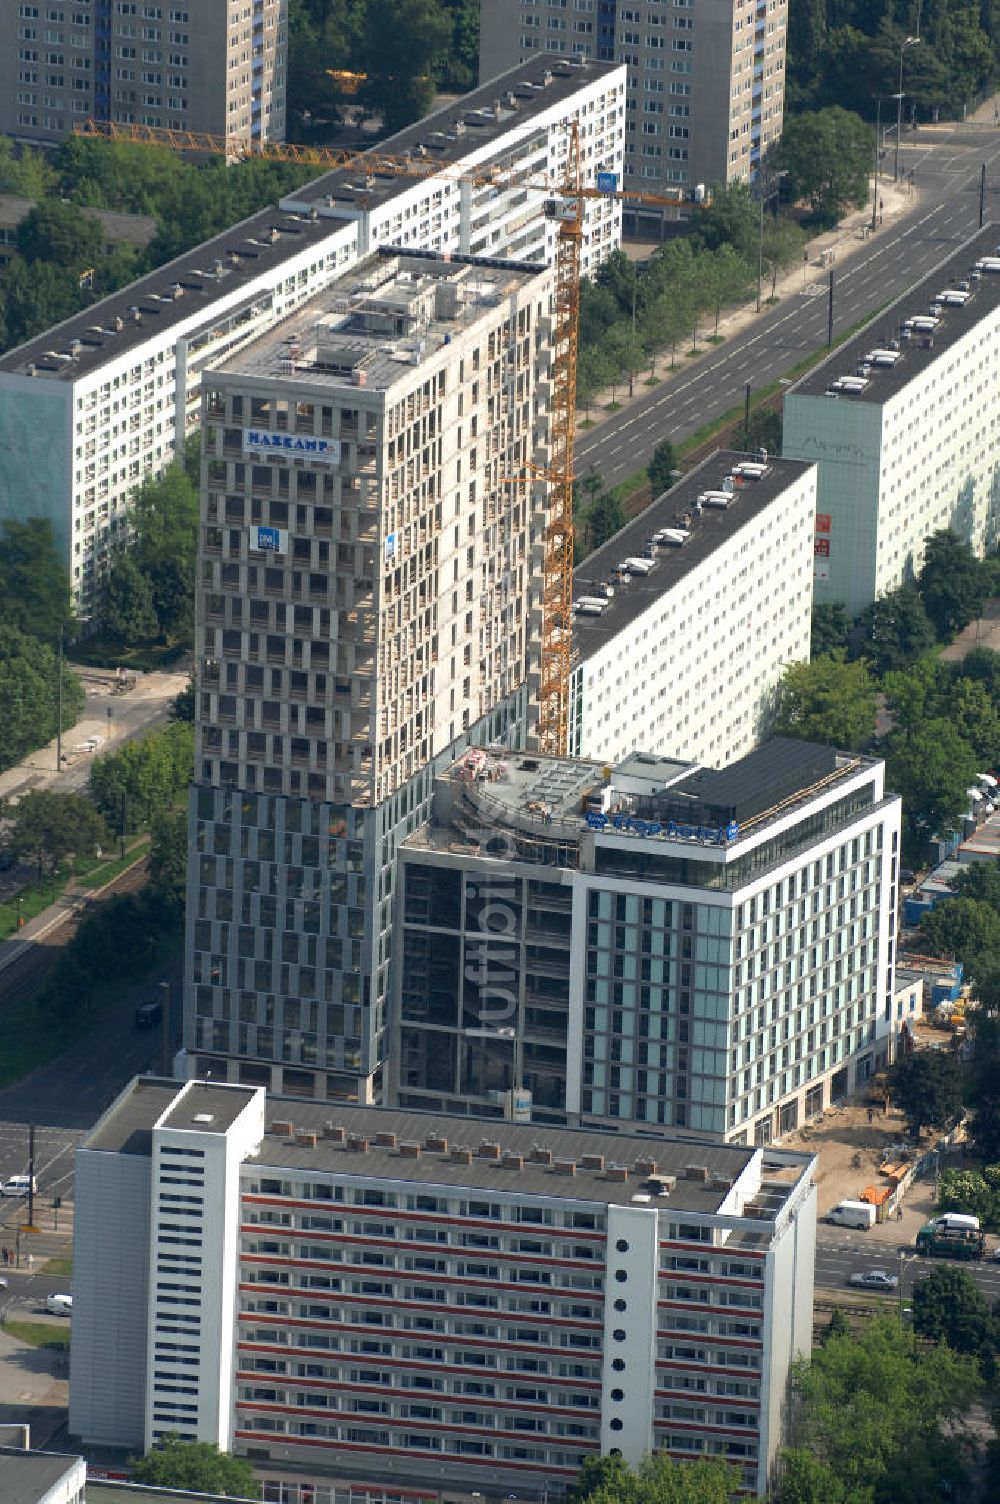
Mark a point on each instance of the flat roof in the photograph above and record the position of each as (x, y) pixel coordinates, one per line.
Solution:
(127, 1126)
(25, 1477)
(884, 331)
(251, 241)
(209, 1106)
(215, 269)
(704, 1169)
(708, 531)
(453, 132)
(380, 319)
(772, 773)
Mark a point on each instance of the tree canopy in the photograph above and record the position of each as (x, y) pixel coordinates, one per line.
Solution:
(856, 1441)
(661, 468)
(953, 583)
(656, 1480)
(827, 700)
(46, 828)
(926, 1086)
(150, 773)
(948, 1306)
(827, 155)
(196, 1466)
(29, 695)
(895, 629)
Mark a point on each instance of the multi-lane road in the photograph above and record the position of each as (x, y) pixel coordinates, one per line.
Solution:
(945, 212)
(838, 1257)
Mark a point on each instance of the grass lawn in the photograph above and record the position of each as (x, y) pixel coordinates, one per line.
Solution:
(61, 1265)
(29, 902)
(98, 652)
(40, 1334)
(96, 871)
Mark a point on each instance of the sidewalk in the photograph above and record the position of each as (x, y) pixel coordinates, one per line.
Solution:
(70, 903)
(808, 278)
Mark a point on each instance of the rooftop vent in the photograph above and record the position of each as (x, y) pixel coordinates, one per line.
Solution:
(282, 1128)
(616, 1172)
(511, 1161)
(334, 1133)
(306, 1140)
(409, 1151)
(385, 1140)
(435, 1144)
(696, 1172)
(357, 1144)
(461, 1156)
(539, 1155)
(203, 1117)
(645, 1167)
(592, 1162)
(565, 1167)
(488, 1150)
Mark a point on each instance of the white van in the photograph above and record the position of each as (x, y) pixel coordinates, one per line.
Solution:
(957, 1222)
(852, 1214)
(59, 1305)
(20, 1185)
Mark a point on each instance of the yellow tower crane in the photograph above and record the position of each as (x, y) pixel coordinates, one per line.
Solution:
(564, 203)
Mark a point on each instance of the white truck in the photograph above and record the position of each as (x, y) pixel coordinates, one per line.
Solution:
(860, 1214)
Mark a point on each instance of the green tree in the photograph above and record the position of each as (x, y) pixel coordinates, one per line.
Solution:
(926, 1086)
(952, 582)
(399, 42)
(979, 880)
(976, 1193)
(931, 768)
(782, 246)
(126, 614)
(948, 1306)
(183, 705)
(45, 829)
(196, 1466)
(625, 354)
(29, 696)
(828, 700)
(827, 155)
(765, 432)
(36, 295)
(168, 851)
(805, 1479)
(965, 928)
(594, 372)
(726, 278)
(732, 219)
(34, 583)
(151, 774)
(829, 630)
(606, 517)
(656, 1480)
(856, 1403)
(57, 231)
(895, 629)
(661, 468)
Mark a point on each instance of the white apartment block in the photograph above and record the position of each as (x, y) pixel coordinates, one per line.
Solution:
(680, 637)
(403, 1303)
(207, 65)
(92, 407)
(904, 425)
(368, 599)
(649, 944)
(706, 82)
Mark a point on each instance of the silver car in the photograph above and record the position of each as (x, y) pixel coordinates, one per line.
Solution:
(875, 1279)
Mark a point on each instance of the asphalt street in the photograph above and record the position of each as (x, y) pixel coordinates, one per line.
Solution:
(838, 1258)
(946, 212)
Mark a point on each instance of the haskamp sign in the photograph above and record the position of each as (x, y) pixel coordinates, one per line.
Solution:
(294, 446)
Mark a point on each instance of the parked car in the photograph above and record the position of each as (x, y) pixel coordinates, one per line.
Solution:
(148, 1014)
(59, 1305)
(875, 1279)
(19, 1185)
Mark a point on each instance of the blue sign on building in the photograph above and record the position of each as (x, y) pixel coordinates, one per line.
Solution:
(269, 540)
(607, 182)
(709, 835)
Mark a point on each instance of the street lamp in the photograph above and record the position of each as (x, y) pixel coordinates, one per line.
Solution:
(765, 196)
(904, 1259)
(878, 147)
(910, 42)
